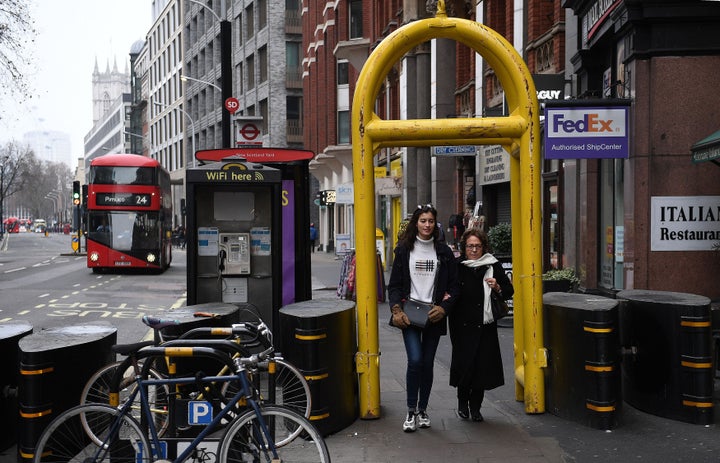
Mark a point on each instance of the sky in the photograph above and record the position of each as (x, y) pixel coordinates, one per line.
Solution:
(71, 35)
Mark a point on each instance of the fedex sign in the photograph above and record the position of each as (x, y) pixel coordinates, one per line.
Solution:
(586, 132)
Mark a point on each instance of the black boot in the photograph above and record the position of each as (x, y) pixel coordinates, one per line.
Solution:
(475, 404)
(463, 411)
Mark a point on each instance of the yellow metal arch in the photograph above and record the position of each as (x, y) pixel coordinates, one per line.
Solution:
(518, 133)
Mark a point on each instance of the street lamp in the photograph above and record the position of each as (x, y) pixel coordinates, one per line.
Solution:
(192, 127)
(225, 67)
(186, 78)
(136, 135)
(2, 194)
(54, 197)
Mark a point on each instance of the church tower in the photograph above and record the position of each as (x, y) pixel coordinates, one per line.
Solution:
(107, 87)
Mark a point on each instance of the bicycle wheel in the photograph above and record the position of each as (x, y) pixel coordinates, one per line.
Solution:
(291, 388)
(67, 439)
(97, 387)
(244, 440)
(287, 386)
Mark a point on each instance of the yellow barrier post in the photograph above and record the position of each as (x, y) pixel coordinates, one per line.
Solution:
(519, 132)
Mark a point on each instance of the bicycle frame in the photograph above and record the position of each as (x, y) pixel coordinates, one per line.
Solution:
(245, 393)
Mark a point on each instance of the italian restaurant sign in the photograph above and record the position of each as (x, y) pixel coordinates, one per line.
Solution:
(684, 223)
(586, 132)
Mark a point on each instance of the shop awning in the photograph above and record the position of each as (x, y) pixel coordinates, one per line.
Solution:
(707, 149)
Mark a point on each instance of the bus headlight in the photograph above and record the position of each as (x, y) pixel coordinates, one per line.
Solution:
(150, 257)
(94, 256)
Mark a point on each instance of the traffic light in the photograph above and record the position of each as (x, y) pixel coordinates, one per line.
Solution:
(76, 193)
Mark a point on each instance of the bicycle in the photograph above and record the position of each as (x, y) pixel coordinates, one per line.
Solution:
(276, 380)
(103, 433)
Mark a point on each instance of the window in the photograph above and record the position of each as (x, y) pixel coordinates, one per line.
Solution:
(239, 78)
(239, 28)
(249, 21)
(262, 57)
(262, 14)
(294, 118)
(294, 107)
(264, 114)
(251, 72)
(611, 232)
(342, 73)
(293, 68)
(343, 128)
(292, 54)
(356, 19)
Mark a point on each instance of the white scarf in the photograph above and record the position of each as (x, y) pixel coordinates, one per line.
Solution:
(486, 259)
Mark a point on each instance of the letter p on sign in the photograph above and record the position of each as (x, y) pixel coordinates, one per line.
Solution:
(199, 412)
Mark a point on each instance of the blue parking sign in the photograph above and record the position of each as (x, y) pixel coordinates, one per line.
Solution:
(199, 412)
(160, 453)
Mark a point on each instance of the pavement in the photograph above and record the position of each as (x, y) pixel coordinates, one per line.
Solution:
(508, 434)
(497, 439)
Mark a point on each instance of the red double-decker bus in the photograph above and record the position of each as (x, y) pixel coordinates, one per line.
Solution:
(129, 214)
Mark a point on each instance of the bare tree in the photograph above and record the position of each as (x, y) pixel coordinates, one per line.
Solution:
(16, 32)
(13, 168)
(49, 198)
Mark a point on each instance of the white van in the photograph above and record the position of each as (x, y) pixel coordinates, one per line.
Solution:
(39, 225)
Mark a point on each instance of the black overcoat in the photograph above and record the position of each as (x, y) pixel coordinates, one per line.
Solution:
(476, 361)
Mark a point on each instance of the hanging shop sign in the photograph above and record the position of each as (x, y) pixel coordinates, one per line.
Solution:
(494, 165)
(707, 149)
(685, 223)
(345, 193)
(595, 19)
(582, 131)
(549, 86)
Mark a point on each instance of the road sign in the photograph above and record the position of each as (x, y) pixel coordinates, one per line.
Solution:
(462, 150)
(199, 412)
(75, 243)
(248, 134)
(232, 104)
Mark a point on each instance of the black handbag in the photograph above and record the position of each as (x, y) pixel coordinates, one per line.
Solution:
(499, 307)
(417, 312)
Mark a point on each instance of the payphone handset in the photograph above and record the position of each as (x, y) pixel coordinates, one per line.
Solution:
(234, 253)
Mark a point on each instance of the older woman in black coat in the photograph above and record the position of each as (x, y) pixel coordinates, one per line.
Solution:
(476, 364)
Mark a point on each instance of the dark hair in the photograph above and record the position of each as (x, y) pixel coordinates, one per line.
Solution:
(408, 238)
(477, 233)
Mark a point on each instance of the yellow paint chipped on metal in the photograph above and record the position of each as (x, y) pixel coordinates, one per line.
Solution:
(519, 133)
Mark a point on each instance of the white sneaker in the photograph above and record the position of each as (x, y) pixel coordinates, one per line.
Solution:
(423, 420)
(410, 424)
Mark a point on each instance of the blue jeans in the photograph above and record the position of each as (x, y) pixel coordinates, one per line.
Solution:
(421, 349)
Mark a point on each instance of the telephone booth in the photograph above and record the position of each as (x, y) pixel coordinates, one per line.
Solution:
(247, 229)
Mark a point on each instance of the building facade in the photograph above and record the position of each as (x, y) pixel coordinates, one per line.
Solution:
(648, 221)
(111, 104)
(265, 42)
(337, 41)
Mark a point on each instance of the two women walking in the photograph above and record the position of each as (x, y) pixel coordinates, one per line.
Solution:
(458, 290)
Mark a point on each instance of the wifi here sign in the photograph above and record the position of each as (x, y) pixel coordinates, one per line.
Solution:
(586, 132)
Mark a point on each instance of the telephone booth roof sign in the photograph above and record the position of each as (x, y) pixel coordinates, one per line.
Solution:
(258, 154)
(233, 171)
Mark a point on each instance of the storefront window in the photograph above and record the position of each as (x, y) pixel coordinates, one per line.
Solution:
(553, 231)
(611, 233)
(552, 217)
